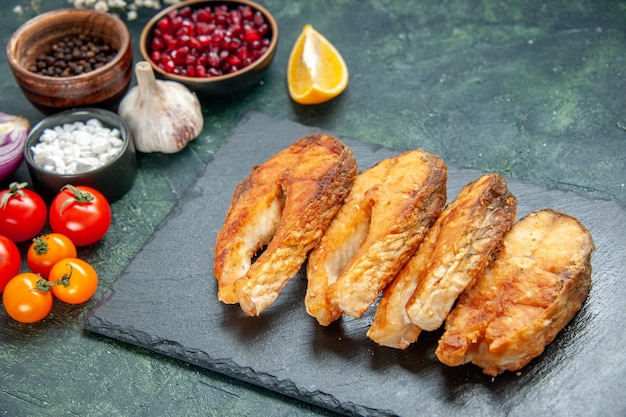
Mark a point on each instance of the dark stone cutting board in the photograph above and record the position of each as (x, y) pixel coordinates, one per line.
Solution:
(582, 373)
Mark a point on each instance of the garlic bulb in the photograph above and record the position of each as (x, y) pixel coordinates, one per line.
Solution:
(163, 116)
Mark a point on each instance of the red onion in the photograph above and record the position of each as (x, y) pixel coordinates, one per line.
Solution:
(13, 133)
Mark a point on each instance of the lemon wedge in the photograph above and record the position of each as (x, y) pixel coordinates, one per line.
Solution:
(316, 71)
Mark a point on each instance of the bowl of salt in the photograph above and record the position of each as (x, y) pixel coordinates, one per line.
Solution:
(88, 146)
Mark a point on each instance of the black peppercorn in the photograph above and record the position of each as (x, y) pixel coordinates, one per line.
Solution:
(74, 56)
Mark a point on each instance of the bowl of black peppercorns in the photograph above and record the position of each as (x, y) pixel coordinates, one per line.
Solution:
(71, 58)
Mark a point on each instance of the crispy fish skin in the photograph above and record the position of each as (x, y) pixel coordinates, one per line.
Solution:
(538, 280)
(250, 225)
(460, 247)
(400, 200)
(339, 243)
(455, 251)
(284, 204)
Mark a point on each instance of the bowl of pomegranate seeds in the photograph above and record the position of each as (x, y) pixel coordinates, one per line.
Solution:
(70, 58)
(214, 47)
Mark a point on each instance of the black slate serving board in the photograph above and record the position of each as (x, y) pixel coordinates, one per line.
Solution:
(582, 373)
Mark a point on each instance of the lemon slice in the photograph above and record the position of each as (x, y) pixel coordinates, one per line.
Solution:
(316, 71)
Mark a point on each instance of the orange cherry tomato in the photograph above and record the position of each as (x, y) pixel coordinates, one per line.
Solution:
(47, 250)
(27, 297)
(75, 281)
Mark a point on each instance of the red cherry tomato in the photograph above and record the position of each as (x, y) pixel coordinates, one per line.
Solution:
(75, 281)
(10, 261)
(23, 213)
(81, 213)
(27, 298)
(47, 250)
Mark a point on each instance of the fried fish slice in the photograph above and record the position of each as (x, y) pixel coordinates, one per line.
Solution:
(461, 247)
(391, 206)
(284, 204)
(455, 251)
(538, 280)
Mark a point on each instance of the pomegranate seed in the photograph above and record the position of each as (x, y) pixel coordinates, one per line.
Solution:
(214, 60)
(191, 71)
(185, 11)
(242, 53)
(221, 19)
(203, 59)
(167, 37)
(157, 44)
(191, 59)
(200, 71)
(176, 23)
(258, 18)
(194, 43)
(221, 9)
(189, 23)
(255, 45)
(216, 39)
(247, 13)
(155, 56)
(172, 44)
(251, 37)
(203, 28)
(234, 44)
(263, 30)
(234, 17)
(234, 61)
(204, 15)
(213, 72)
(225, 43)
(185, 31)
(178, 57)
(204, 41)
(182, 51)
(256, 54)
(211, 27)
(164, 25)
(236, 29)
(169, 65)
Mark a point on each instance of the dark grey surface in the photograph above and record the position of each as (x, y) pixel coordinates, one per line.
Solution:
(165, 301)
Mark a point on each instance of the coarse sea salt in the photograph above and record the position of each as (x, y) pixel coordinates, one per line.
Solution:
(78, 147)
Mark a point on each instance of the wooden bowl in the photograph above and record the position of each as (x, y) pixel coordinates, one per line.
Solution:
(103, 87)
(216, 86)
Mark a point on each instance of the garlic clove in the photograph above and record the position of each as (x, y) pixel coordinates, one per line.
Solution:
(163, 116)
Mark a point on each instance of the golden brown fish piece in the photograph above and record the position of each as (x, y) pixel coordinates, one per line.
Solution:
(379, 226)
(455, 251)
(538, 280)
(285, 203)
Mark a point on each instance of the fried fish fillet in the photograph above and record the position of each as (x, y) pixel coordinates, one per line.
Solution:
(379, 226)
(538, 280)
(455, 251)
(284, 204)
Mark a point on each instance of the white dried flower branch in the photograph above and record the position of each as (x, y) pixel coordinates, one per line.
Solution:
(130, 7)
